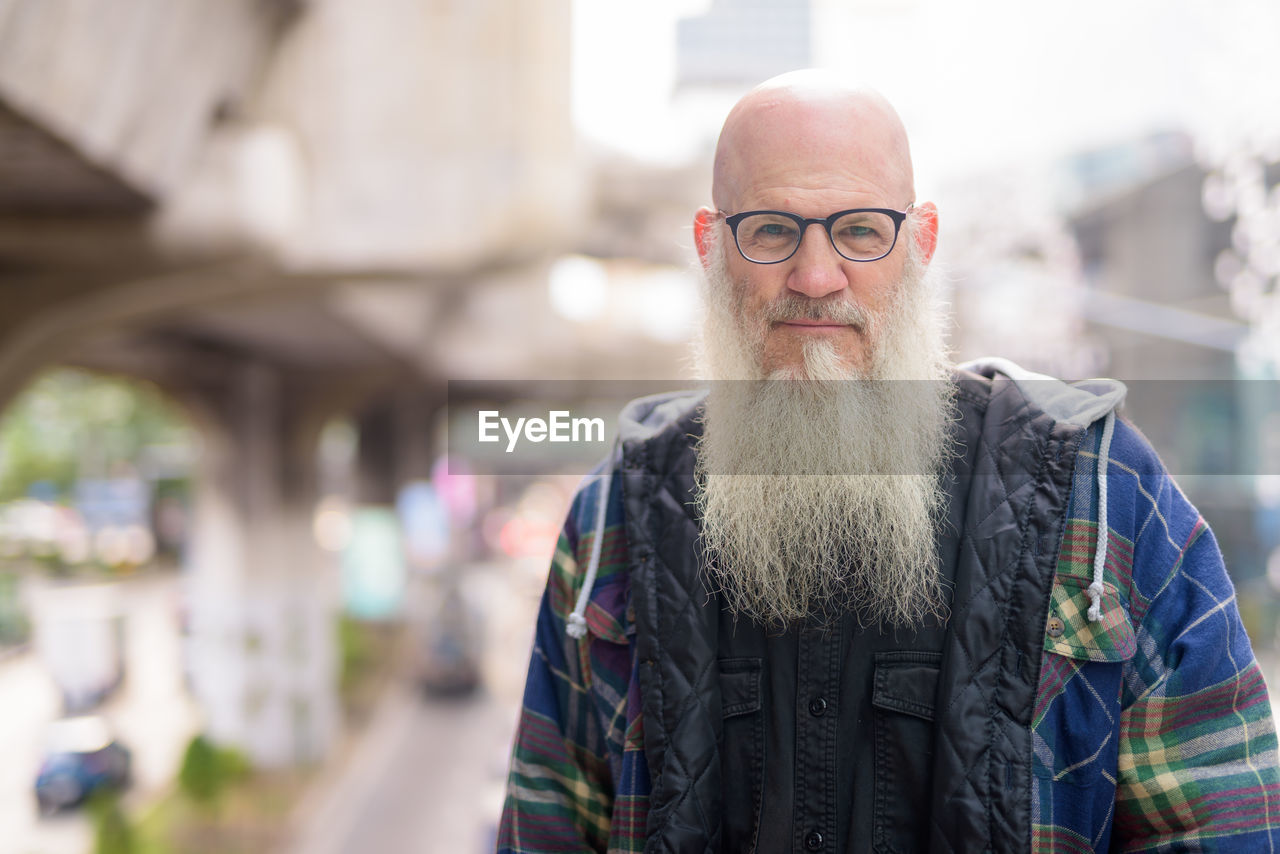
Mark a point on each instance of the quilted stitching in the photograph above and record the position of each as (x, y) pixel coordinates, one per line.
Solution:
(1014, 506)
(685, 795)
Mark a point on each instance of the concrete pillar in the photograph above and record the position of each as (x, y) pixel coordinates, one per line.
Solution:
(397, 442)
(395, 447)
(415, 431)
(261, 594)
(376, 480)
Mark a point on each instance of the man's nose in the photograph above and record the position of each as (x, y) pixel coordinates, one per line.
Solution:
(816, 268)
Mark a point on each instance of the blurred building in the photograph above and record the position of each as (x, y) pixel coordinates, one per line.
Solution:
(1159, 295)
(738, 43)
(1115, 263)
(1147, 256)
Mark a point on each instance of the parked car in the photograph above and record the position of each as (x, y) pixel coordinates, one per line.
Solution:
(448, 652)
(81, 757)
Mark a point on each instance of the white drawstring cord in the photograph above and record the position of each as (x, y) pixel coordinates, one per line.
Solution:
(576, 627)
(1100, 550)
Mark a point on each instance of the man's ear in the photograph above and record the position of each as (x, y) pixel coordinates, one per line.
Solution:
(703, 221)
(926, 232)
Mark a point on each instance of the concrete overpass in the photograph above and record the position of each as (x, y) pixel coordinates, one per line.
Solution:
(283, 211)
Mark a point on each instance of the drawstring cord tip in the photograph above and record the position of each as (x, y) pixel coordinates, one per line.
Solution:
(1095, 596)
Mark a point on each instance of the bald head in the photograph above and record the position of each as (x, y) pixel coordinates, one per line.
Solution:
(810, 132)
(809, 145)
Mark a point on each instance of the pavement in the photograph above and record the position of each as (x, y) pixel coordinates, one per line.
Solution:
(427, 775)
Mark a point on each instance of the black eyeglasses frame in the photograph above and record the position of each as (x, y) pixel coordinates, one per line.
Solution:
(827, 223)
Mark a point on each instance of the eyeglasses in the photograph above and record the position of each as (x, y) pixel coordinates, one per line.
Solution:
(771, 237)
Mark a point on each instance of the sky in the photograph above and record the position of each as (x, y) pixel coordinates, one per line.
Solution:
(978, 83)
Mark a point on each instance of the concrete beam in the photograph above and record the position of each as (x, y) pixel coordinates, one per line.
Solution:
(42, 174)
(133, 86)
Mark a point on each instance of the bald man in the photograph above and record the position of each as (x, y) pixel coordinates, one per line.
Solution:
(853, 598)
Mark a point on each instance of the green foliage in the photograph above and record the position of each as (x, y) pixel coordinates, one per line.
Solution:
(199, 775)
(69, 424)
(15, 628)
(355, 650)
(234, 765)
(113, 834)
(207, 770)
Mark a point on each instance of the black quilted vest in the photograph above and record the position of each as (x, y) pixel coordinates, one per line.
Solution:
(1017, 504)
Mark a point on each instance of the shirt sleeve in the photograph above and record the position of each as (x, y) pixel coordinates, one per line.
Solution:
(1197, 763)
(559, 789)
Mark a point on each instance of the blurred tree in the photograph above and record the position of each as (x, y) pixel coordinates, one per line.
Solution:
(208, 770)
(15, 626)
(1243, 185)
(355, 652)
(70, 424)
(112, 834)
(201, 776)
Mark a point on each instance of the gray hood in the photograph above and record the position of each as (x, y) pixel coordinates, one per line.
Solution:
(1080, 403)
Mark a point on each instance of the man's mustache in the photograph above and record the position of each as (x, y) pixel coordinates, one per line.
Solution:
(835, 311)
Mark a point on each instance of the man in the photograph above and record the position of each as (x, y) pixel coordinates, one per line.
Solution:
(853, 599)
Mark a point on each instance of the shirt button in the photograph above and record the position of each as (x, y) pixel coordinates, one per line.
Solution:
(817, 706)
(1055, 627)
(813, 841)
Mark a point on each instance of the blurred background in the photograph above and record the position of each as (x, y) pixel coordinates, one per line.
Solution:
(246, 602)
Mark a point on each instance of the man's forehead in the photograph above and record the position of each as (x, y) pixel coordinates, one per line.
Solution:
(804, 135)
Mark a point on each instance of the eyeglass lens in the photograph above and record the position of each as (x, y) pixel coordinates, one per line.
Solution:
(861, 236)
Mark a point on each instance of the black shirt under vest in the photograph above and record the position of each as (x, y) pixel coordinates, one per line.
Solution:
(828, 729)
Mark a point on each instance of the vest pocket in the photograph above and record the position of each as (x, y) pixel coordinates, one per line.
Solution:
(902, 697)
(741, 751)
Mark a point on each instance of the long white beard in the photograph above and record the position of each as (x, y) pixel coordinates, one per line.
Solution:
(820, 487)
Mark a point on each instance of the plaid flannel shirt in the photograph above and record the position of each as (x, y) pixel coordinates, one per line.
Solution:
(1152, 728)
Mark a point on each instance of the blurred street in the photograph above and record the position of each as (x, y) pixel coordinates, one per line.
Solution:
(31, 702)
(424, 774)
(151, 713)
(427, 775)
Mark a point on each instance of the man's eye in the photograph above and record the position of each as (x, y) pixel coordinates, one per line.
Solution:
(771, 231)
(860, 231)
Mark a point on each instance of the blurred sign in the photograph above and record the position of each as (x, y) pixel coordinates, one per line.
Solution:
(456, 486)
(426, 523)
(118, 502)
(373, 565)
